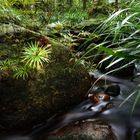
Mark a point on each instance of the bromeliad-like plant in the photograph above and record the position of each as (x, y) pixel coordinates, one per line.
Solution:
(35, 56)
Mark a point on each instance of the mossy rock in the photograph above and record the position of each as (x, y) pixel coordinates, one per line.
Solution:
(27, 103)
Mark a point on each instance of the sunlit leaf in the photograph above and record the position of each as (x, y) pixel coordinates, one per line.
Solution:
(34, 55)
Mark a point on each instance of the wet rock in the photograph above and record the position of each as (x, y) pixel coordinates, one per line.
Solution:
(124, 72)
(86, 130)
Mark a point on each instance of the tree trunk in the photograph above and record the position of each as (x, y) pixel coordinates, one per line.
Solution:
(84, 4)
(116, 5)
(97, 2)
(70, 2)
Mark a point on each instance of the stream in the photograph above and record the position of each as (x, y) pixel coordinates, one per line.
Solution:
(111, 102)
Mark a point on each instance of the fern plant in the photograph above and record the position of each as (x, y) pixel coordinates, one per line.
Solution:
(22, 72)
(28, 2)
(22, 2)
(7, 67)
(21, 11)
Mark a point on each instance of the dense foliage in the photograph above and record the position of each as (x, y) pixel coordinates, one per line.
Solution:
(35, 36)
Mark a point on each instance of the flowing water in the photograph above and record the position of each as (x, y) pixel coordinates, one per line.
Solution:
(115, 109)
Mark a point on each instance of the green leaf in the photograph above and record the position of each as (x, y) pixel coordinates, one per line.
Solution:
(137, 99)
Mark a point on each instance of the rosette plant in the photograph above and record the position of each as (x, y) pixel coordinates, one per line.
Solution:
(36, 56)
